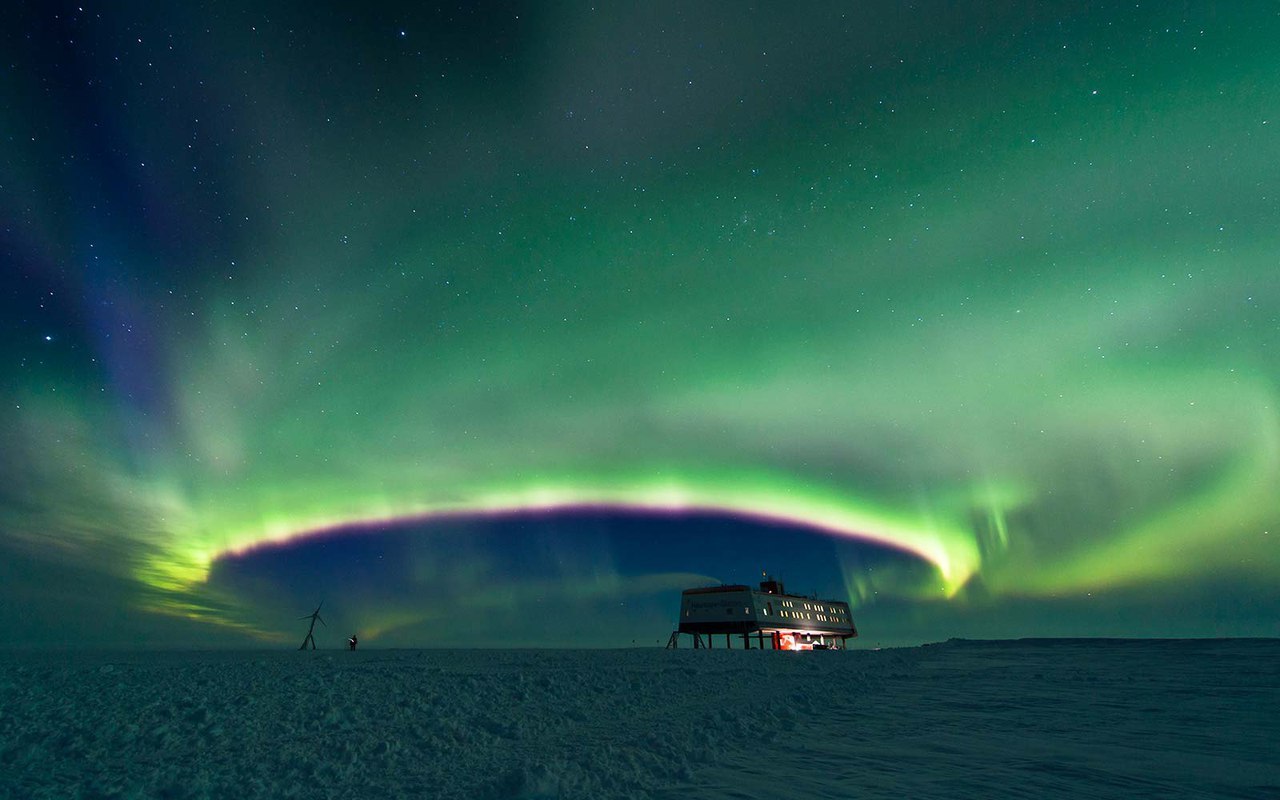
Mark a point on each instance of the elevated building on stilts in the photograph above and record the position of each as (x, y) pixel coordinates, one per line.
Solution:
(766, 618)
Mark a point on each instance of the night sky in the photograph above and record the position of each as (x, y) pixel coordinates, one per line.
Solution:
(502, 326)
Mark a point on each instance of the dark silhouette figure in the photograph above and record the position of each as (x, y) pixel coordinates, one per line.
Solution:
(313, 616)
(351, 643)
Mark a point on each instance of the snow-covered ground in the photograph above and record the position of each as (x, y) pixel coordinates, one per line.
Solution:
(1076, 718)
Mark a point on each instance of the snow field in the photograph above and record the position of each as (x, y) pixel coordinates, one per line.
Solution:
(1072, 718)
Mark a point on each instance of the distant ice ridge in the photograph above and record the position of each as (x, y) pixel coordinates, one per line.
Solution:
(1067, 718)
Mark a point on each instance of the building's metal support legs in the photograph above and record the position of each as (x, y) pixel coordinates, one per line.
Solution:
(834, 642)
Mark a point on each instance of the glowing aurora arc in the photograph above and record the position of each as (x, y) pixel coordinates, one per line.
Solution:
(952, 550)
(996, 288)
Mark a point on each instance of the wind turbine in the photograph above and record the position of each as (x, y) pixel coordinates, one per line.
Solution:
(313, 616)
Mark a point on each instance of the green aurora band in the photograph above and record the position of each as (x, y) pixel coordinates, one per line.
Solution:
(1012, 313)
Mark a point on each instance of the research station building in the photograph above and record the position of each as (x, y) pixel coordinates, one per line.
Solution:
(774, 619)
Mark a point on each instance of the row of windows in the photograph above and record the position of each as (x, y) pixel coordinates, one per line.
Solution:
(836, 616)
(768, 611)
(809, 616)
(823, 609)
(818, 607)
(812, 611)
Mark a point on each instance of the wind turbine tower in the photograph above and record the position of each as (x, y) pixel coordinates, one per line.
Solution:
(313, 616)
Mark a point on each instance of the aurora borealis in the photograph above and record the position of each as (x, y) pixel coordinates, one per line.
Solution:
(965, 311)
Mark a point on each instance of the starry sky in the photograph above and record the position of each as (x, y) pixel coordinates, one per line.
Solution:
(501, 326)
